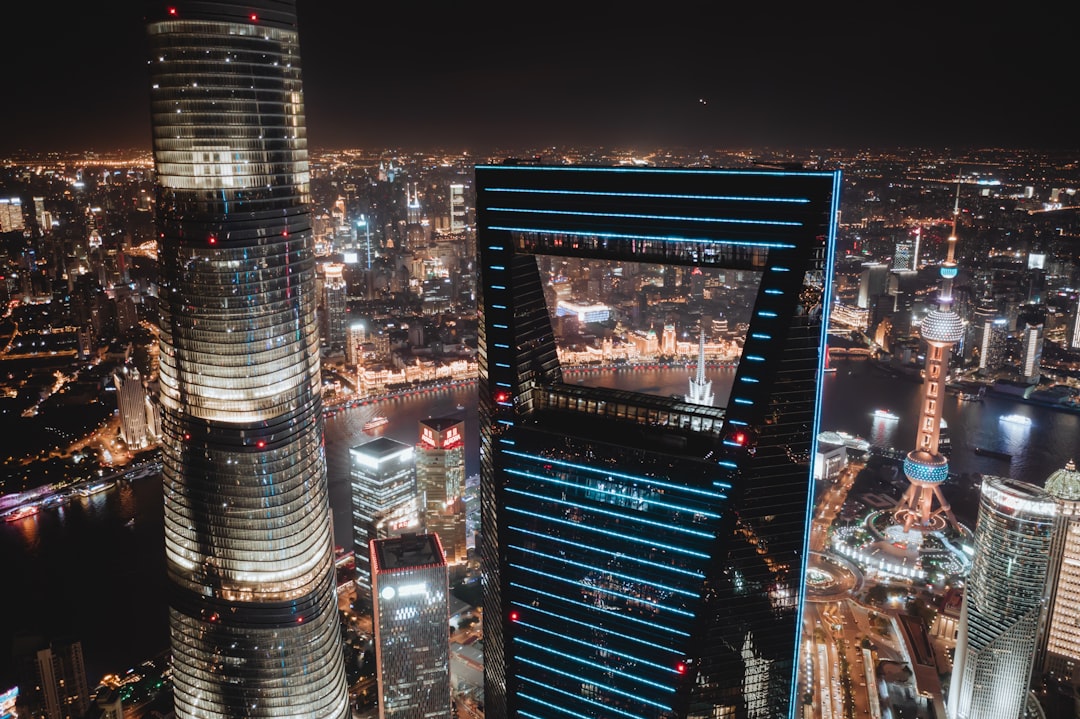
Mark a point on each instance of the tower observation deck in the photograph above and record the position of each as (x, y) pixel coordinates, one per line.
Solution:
(923, 507)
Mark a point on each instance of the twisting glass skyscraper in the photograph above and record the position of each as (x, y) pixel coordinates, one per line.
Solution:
(253, 613)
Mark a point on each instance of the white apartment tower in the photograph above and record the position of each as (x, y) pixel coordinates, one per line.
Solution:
(457, 207)
(1032, 353)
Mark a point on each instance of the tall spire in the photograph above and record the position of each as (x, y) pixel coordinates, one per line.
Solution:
(700, 388)
(923, 506)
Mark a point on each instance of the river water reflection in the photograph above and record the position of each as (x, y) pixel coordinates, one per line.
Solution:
(87, 571)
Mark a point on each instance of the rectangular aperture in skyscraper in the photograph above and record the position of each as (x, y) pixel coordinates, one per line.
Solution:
(643, 554)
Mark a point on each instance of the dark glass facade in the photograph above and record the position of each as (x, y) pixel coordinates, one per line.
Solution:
(253, 613)
(384, 500)
(644, 556)
(411, 616)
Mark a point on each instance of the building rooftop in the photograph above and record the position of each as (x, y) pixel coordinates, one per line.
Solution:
(441, 424)
(407, 551)
(380, 447)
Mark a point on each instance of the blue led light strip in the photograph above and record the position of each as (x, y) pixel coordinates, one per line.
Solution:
(670, 171)
(600, 590)
(632, 216)
(587, 680)
(592, 608)
(562, 636)
(657, 195)
(602, 667)
(561, 710)
(617, 555)
(609, 474)
(594, 628)
(626, 537)
(618, 515)
(611, 493)
(592, 702)
(605, 570)
(656, 238)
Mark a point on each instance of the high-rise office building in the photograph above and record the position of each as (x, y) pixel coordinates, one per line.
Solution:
(382, 473)
(873, 281)
(904, 256)
(355, 335)
(11, 214)
(440, 477)
(1072, 330)
(411, 617)
(644, 556)
(1031, 347)
(249, 551)
(52, 678)
(1060, 641)
(335, 305)
(131, 402)
(995, 333)
(458, 217)
(1003, 601)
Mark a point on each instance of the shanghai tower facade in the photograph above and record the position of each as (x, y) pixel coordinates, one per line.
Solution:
(248, 541)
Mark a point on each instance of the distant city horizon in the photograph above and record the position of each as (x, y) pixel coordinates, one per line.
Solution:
(399, 226)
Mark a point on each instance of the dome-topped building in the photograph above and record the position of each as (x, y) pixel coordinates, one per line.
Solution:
(1060, 645)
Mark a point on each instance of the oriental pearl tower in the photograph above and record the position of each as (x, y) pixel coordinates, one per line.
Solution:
(923, 508)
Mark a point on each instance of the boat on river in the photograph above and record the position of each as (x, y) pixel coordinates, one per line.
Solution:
(375, 422)
(984, 452)
(22, 513)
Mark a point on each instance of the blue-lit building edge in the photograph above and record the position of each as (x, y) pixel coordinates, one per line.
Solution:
(667, 595)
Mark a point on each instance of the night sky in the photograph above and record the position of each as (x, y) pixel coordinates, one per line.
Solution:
(477, 75)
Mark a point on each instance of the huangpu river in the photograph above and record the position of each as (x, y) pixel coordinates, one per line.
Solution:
(94, 569)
